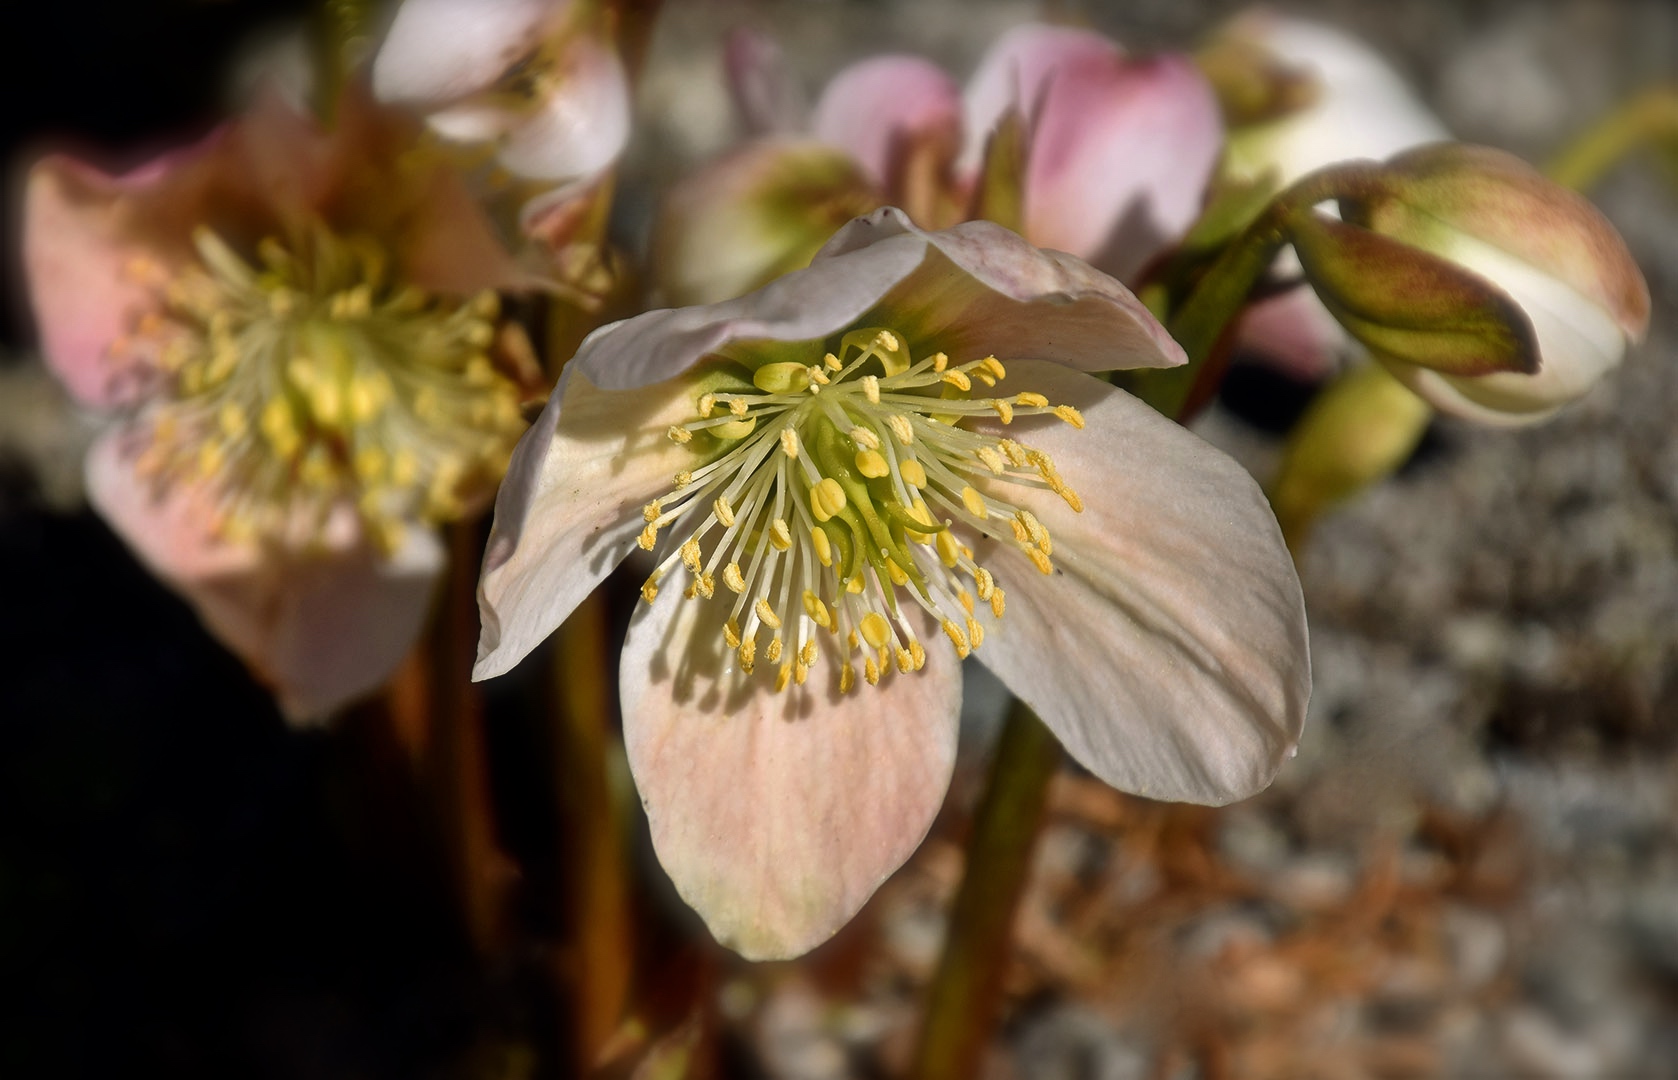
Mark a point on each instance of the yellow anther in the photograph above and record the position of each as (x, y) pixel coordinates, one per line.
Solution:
(817, 376)
(680, 435)
(865, 439)
(997, 604)
(773, 653)
(724, 512)
(975, 632)
(789, 442)
(895, 572)
(875, 630)
(649, 589)
(817, 610)
(1021, 533)
(1039, 535)
(917, 653)
(983, 582)
(958, 637)
(767, 614)
(648, 538)
(690, 555)
(965, 598)
(370, 463)
(783, 676)
(948, 551)
(748, 654)
(905, 660)
(326, 402)
(871, 671)
(855, 585)
(888, 341)
(479, 372)
(738, 406)
(800, 672)
(807, 653)
(404, 468)
(683, 478)
(780, 535)
(871, 463)
(231, 419)
(1003, 410)
(732, 577)
(651, 511)
(913, 473)
(1071, 497)
(211, 458)
(847, 677)
(786, 377)
(827, 498)
(958, 379)
(994, 366)
(940, 362)
(871, 389)
(901, 428)
(1031, 400)
(731, 633)
(706, 585)
(707, 404)
(1070, 415)
(823, 546)
(990, 459)
(1040, 560)
(974, 502)
(832, 363)
(1015, 453)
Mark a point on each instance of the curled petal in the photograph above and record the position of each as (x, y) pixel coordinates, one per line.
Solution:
(975, 288)
(777, 815)
(1168, 649)
(322, 623)
(569, 509)
(882, 107)
(438, 51)
(1017, 69)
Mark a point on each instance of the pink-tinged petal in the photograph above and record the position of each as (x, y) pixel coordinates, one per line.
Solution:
(582, 124)
(1120, 156)
(778, 815)
(1293, 334)
(1016, 70)
(443, 50)
(976, 288)
(767, 100)
(1168, 650)
(880, 108)
(322, 624)
(569, 509)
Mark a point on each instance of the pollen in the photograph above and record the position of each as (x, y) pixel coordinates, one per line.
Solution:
(836, 521)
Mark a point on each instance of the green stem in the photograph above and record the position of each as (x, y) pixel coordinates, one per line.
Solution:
(967, 988)
(1652, 116)
(339, 32)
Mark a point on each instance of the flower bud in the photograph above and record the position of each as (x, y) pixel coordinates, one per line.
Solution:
(1472, 212)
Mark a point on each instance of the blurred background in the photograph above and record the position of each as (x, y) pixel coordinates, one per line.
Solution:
(1471, 870)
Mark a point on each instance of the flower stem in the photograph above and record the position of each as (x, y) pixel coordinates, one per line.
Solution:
(1650, 117)
(967, 988)
(338, 36)
(601, 957)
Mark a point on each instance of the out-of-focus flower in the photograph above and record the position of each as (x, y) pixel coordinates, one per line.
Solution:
(1393, 276)
(1331, 98)
(293, 331)
(1117, 155)
(538, 79)
(841, 503)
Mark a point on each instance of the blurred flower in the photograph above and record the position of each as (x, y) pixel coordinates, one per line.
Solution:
(539, 79)
(1536, 255)
(850, 510)
(1329, 98)
(293, 331)
(1118, 152)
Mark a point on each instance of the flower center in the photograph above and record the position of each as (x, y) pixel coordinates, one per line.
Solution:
(829, 501)
(311, 378)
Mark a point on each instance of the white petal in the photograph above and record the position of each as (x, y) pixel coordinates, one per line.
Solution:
(323, 623)
(1014, 71)
(974, 288)
(443, 50)
(582, 124)
(569, 509)
(1168, 649)
(879, 107)
(778, 815)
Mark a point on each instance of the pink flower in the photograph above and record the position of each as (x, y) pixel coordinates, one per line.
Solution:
(538, 79)
(1118, 156)
(290, 332)
(841, 502)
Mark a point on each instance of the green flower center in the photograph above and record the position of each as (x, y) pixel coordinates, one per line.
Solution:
(310, 379)
(828, 500)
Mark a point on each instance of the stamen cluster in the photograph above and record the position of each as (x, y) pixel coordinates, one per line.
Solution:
(309, 377)
(830, 492)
